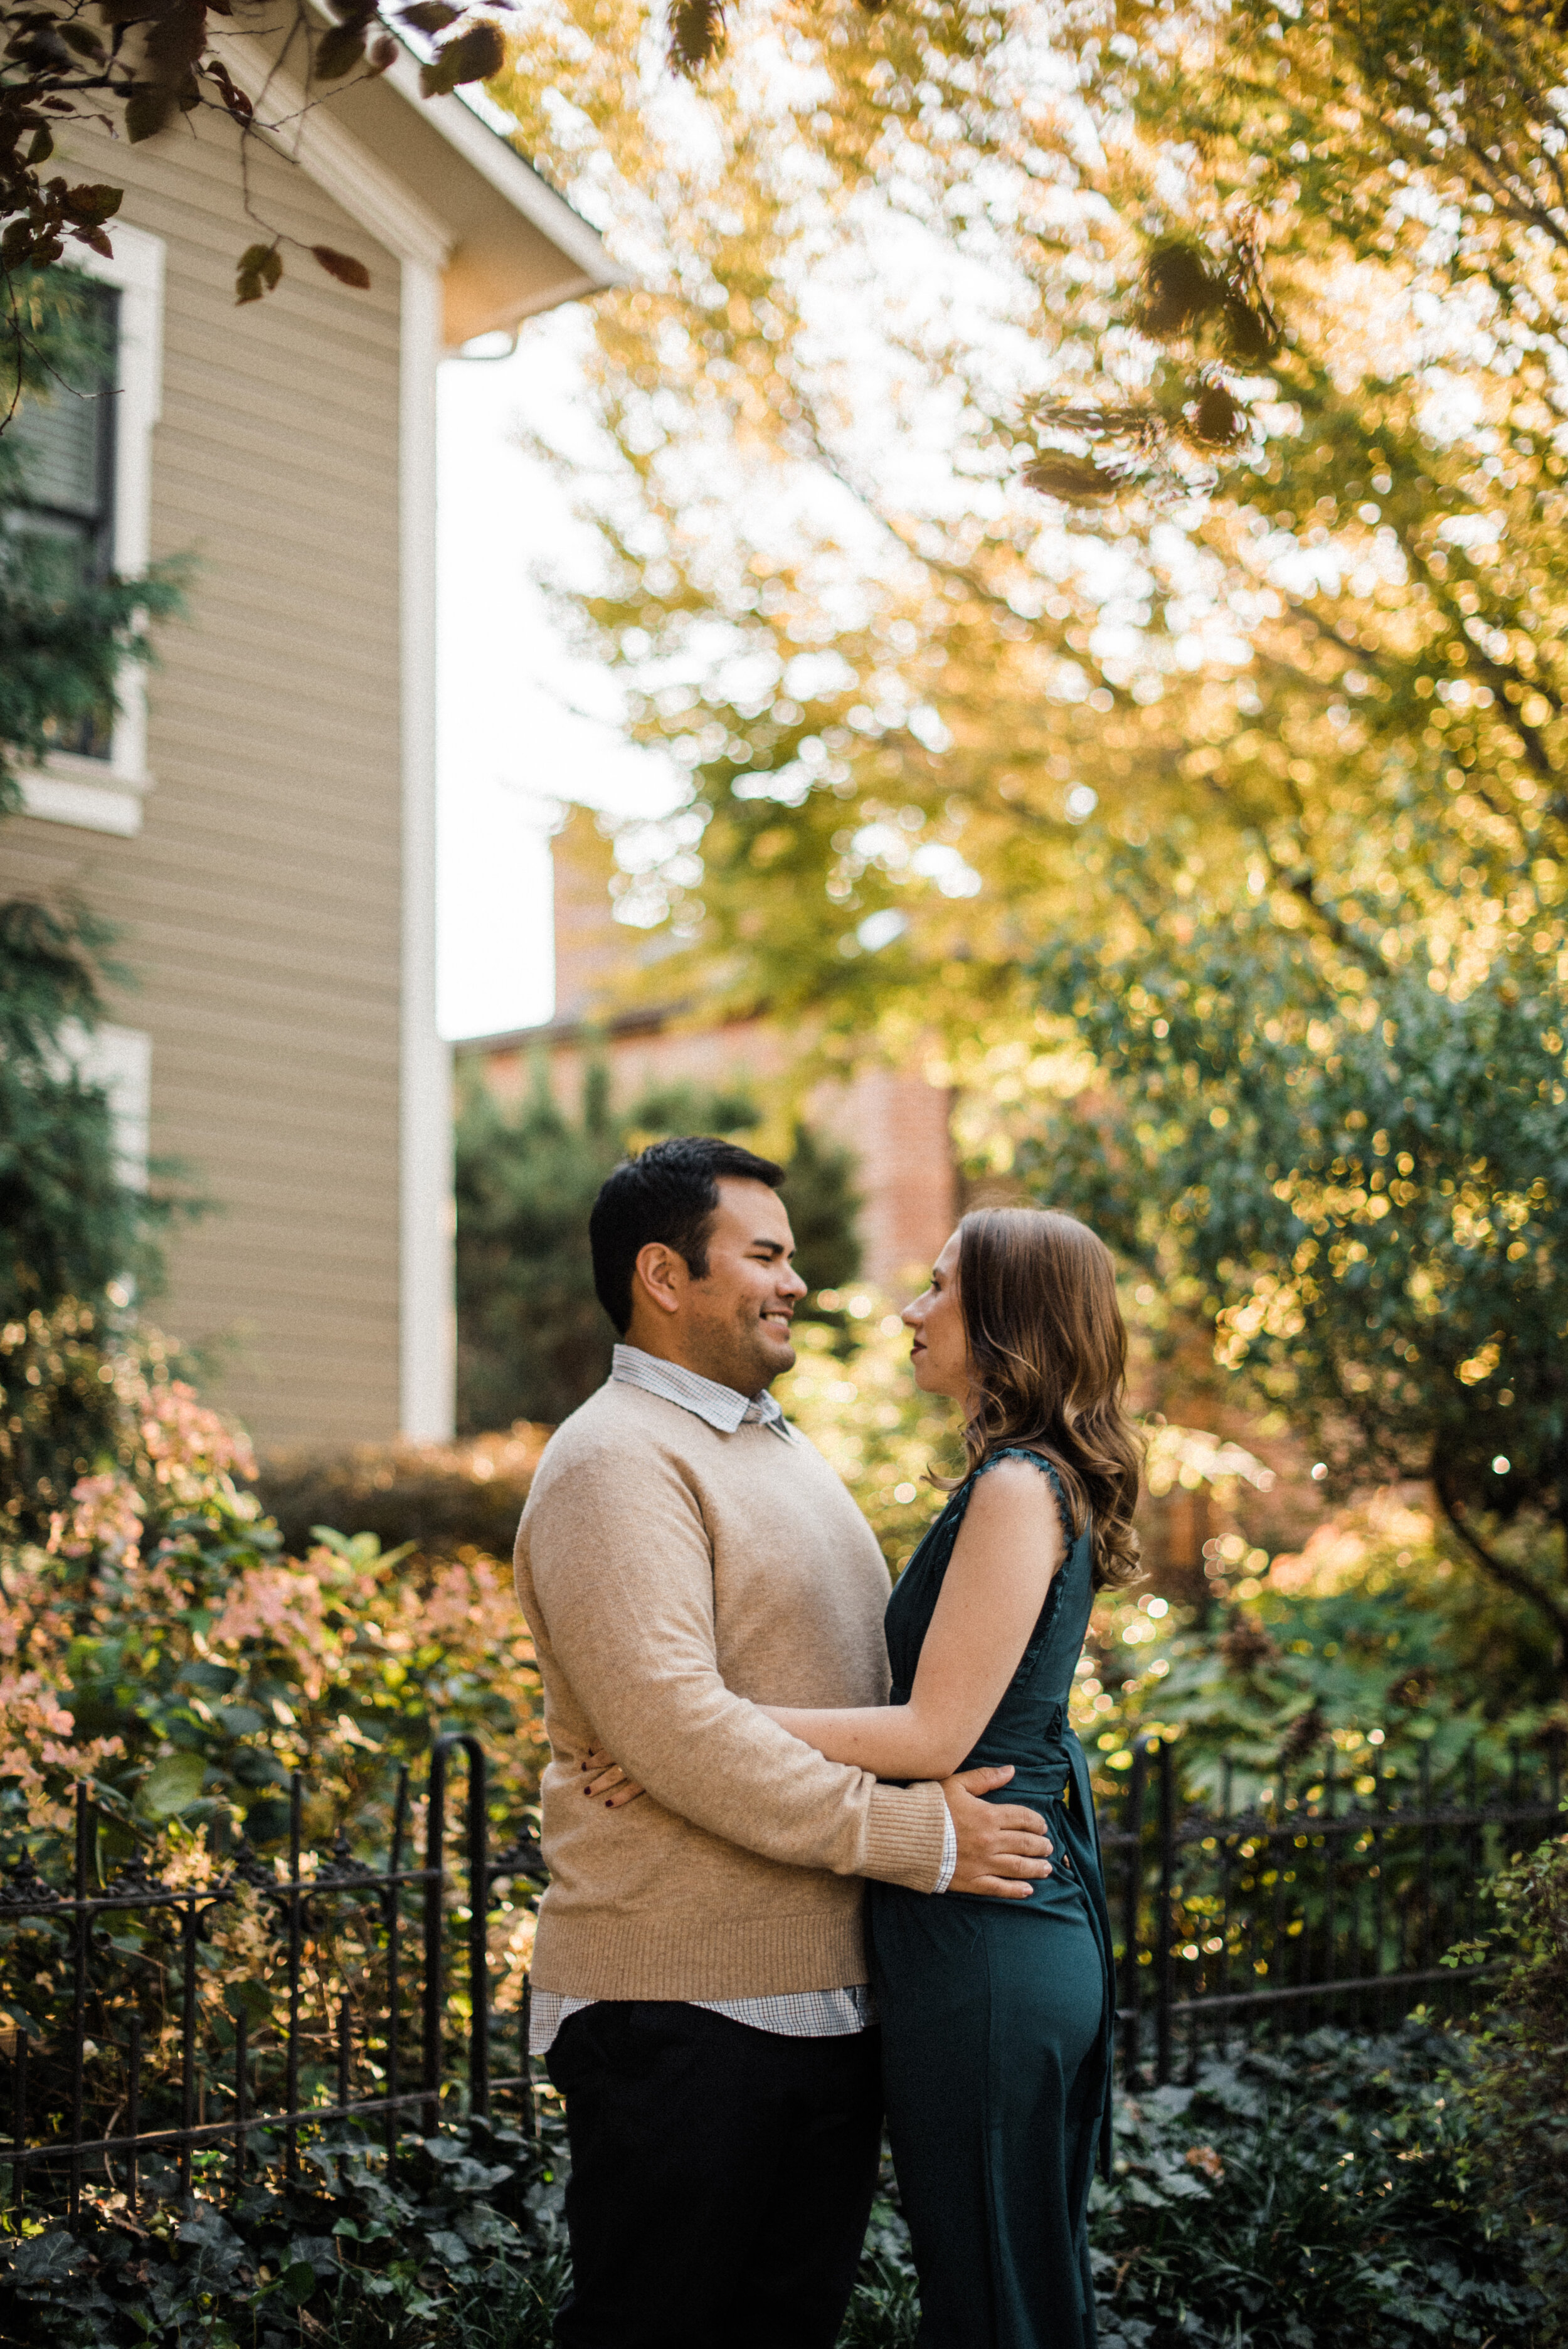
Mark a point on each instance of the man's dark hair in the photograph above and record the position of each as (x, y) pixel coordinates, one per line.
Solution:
(669, 1192)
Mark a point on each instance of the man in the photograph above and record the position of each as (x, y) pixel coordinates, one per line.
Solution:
(699, 1977)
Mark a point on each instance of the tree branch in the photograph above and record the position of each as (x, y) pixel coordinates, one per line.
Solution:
(1301, 880)
(1512, 1578)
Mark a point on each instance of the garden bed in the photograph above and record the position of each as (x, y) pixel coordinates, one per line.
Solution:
(1311, 2196)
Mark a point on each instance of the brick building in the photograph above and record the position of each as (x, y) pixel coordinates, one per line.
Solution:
(894, 1121)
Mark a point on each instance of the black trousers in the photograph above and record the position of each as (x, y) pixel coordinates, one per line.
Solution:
(721, 2178)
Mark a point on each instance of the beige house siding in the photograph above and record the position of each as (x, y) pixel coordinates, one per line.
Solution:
(260, 903)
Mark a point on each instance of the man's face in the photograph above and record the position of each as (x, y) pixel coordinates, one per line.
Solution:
(734, 1326)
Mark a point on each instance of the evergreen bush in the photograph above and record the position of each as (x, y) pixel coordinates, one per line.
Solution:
(533, 1341)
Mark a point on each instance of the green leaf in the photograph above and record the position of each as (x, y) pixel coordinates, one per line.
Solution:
(113, 1843)
(439, 78)
(147, 113)
(48, 2258)
(93, 202)
(297, 2282)
(260, 268)
(248, 2002)
(171, 1785)
(430, 15)
(448, 2248)
(474, 56)
(339, 51)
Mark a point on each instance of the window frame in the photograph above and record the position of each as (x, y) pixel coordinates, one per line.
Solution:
(119, 1061)
(100, 794)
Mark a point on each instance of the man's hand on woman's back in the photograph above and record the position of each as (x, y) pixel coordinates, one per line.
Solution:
(1003, 1848)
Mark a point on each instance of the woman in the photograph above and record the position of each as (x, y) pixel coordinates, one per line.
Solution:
(997, 2012)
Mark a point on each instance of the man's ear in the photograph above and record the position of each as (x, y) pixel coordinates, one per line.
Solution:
(660, 1274)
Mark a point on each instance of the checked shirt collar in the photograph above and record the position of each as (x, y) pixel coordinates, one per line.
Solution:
(721, 1407)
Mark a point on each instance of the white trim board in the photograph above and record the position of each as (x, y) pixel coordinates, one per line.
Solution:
(119, 1061)
(55, 797)
(105, 794)
(427, 1334)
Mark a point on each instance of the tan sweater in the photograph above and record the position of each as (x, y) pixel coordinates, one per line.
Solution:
(675, 1578)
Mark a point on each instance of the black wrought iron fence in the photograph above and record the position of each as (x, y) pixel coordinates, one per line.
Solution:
(206, 2023)
(1333, 1903)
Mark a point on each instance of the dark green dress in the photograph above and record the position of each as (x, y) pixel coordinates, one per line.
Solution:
(998, 2015)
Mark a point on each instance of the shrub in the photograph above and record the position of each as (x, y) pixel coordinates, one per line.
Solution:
(71, 1225)
(1517, 2088)
(59, 1418)
(162, 1647)
(463, 2244)
(1344, 1164)
(884, 2307)
(1312, 2198)
(163, 1644)
(1307, 2199)
(440, 1499)
(73, 1222)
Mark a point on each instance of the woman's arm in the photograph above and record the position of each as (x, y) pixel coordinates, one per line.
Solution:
(1008, 1548)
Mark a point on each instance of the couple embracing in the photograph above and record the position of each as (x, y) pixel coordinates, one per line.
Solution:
(816, 1855)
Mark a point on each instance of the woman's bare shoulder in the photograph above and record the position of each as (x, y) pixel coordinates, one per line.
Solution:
(1012, 1489)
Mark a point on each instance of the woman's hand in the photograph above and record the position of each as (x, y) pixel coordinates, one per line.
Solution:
(603, 1777)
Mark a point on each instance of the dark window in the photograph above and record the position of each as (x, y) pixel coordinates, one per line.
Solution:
(64, 511)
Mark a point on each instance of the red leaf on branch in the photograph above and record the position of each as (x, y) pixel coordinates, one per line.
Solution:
(235, 99)
(342, 266)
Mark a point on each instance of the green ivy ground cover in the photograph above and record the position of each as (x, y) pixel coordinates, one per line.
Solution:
(1314, 2196)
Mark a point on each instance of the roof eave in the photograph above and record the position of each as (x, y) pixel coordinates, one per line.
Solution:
(491, 154)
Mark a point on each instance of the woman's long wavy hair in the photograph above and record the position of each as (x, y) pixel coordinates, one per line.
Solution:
(1048, 1350)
